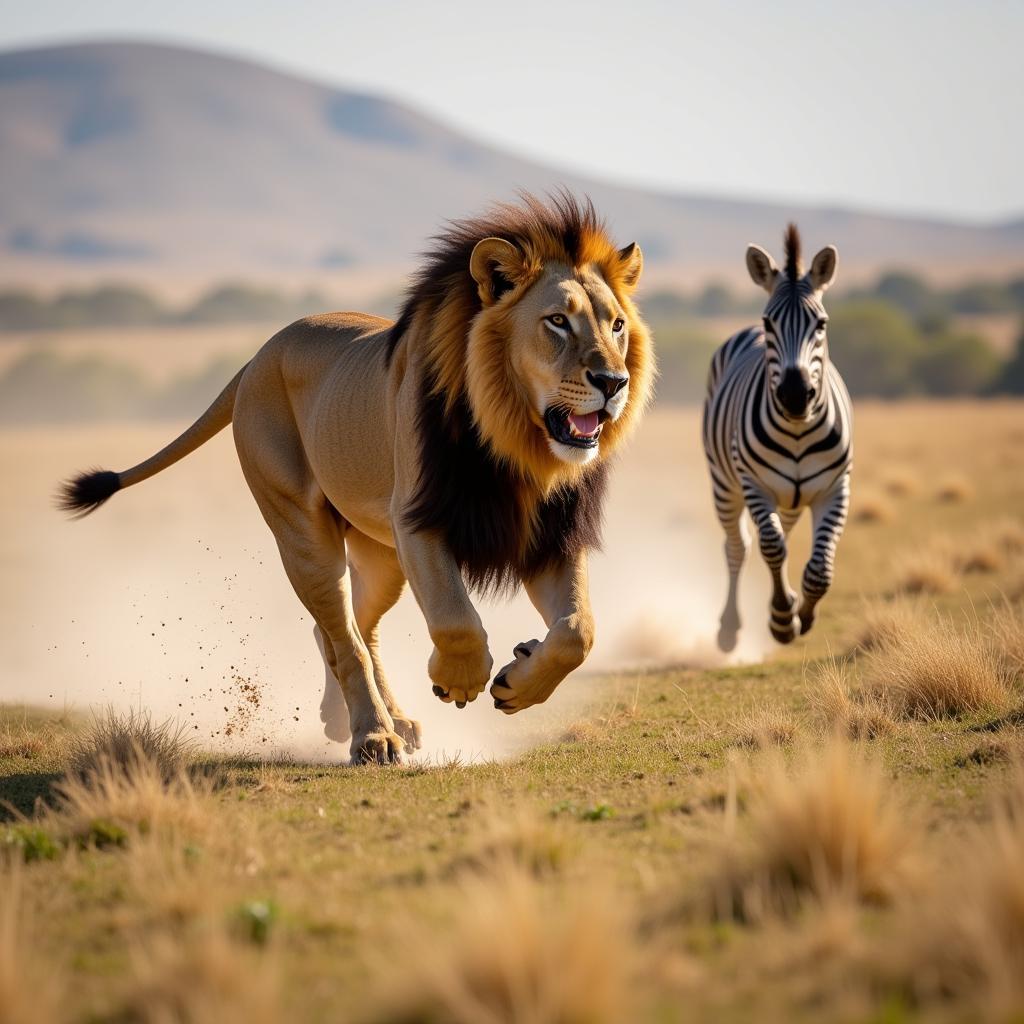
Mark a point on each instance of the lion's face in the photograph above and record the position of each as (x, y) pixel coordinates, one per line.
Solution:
(551, 367)
(569, 341)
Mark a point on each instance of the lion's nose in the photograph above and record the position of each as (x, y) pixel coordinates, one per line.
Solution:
(608, 383)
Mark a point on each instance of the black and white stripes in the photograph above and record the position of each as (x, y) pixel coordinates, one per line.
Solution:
(778, 437)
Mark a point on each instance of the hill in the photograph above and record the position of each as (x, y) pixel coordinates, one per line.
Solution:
(156, 159)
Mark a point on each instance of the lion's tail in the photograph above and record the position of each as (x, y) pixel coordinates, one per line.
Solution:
(86, 492)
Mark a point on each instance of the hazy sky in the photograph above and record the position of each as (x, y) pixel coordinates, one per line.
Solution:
(912, 105)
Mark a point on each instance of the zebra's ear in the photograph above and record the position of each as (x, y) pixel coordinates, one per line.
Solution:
(823, 268)
(761, 266)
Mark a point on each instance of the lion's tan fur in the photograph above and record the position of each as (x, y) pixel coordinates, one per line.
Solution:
(328, 420)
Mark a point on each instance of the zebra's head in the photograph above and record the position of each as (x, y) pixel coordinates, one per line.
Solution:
(795, 324)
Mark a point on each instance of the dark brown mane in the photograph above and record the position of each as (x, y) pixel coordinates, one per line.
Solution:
(794, 265)
(564, 223)
(476, 503)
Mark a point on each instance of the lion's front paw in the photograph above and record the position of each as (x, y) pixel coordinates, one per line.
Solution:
(460, 676)
(523, 681)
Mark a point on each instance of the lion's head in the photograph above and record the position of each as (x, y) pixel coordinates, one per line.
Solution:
(526, 313)
(534, 366)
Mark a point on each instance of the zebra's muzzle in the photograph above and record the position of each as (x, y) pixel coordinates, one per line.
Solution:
(795, 392)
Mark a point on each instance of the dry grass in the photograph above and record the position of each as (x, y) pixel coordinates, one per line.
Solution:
(768, 726)
(536, 845)
(21, 742)
(116, 800)
(929, 570)
(954, 488)
(1004, 747)
(901, 482)
(827, 830)
(1006, 628)
(966, 941)
(204, 977)
(941, 669)
(870, 507)
(884, 623)
(29, 741)
(30, 991)
(516, 951)
(583, 731)
(847, 709)
(1009, 535)
(121, 741)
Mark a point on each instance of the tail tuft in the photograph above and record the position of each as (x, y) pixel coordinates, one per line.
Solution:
(87, 491)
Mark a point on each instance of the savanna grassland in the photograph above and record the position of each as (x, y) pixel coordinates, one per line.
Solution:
(835, 832)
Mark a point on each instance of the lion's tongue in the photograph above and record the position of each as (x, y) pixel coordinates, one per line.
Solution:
(585, 424)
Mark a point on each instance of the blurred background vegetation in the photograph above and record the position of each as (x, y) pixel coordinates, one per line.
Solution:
(899, 337)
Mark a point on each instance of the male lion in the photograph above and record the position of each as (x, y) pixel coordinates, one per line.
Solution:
(463, 445)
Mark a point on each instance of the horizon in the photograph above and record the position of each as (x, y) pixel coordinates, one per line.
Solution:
(963, 168)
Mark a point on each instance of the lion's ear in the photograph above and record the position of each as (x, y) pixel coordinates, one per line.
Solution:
(631, 262)
(497, 267)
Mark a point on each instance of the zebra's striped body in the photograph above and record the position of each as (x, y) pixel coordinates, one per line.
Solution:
(777, 432)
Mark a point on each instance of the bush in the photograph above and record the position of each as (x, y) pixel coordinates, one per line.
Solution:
(957, 364)
(1011, 379)
(876, 348)
(42, 387)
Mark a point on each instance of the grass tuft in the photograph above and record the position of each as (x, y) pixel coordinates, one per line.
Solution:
(928, 570)
(516, 950)
(939, 670)
(121, 742)
(116, 800)
(901, 482)
(847, 709)
(537, 845)
(885, 623)
(966, 940)
(954, 488)
(870, 507)
(768, 726)
(1006, 629)
(203, 977)
(828, 829)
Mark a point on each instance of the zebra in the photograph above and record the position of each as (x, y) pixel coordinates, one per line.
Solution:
(778, 436)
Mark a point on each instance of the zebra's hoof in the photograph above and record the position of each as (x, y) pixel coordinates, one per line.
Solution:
(783, 624)
(727, 640)
(783, 636)
(806, 621)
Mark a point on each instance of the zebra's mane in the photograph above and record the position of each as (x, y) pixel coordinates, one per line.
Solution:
(794, 265)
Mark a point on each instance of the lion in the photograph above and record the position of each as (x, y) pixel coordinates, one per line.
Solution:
(463, 447)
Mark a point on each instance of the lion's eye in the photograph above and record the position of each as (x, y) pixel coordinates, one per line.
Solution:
(557, 320)
(618, 325)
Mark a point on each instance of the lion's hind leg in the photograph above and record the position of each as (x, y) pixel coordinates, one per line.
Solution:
(377, 584)
(333, 708)
(309, 538)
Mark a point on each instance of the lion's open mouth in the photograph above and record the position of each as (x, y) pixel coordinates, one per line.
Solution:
(578, 430)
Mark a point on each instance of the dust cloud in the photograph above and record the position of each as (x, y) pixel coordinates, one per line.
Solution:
(172, 598)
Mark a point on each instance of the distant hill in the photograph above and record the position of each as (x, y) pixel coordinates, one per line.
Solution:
(170, 160)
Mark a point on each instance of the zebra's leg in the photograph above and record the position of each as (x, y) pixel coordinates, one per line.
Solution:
(829, 513)
(771, 534)
(730, 514)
